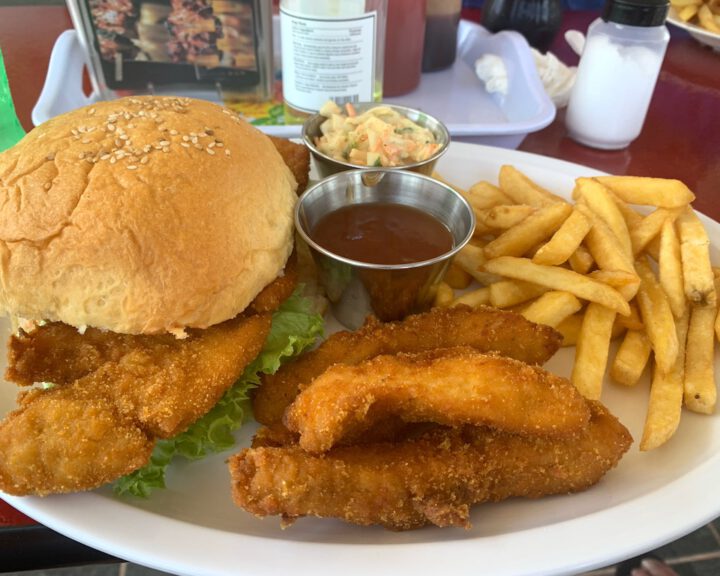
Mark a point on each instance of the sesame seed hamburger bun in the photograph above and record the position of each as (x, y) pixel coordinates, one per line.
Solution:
(142, 215)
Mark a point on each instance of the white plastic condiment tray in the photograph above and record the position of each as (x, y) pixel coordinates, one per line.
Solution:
(455, 95)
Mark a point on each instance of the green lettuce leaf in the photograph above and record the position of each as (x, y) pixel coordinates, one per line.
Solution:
(295, 327)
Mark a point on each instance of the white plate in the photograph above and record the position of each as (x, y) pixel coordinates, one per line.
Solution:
(699, 33)
(193, 528)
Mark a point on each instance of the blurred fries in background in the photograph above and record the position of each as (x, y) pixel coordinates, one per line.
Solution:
(628, 260)
(701, 13)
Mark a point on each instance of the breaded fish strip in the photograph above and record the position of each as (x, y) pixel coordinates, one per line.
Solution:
(432, 479)
(485, 329)
(450, 386)
(80, 435)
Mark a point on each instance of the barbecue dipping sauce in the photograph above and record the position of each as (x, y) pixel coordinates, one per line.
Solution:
(383, 233)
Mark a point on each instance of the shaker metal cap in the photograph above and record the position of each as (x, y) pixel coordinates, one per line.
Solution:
(636, 12)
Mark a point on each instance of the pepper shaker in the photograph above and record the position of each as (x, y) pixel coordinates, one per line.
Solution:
(617, 73)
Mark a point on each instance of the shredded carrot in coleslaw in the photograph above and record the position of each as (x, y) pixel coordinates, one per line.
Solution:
(378, 137)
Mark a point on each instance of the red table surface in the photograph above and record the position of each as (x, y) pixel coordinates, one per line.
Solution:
(680, 139)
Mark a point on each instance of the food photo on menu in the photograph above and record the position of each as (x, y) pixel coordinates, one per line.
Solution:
(175, 41)
(358, 330)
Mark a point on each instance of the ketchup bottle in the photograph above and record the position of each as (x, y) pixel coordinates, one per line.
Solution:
(403, 46)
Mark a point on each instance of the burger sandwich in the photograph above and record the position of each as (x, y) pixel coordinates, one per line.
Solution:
(147, 266)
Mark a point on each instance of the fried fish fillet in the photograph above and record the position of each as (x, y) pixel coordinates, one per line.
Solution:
(297, 158)
(485, 329)
(60, 354)
(430, 479)
(450, 386)
(84, 433)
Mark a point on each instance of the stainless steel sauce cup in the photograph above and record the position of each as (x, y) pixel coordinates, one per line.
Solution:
(390, 292)
(327, 165)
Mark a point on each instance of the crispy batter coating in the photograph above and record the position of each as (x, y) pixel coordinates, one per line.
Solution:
(433, 478)
(87, 432)
(450, 386)
(58, 353)
(279, 290)
(485, 329)
(297, 157)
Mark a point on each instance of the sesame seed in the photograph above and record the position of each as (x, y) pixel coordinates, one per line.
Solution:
(111, 127)
(185, 138)
(132, 167)
(113, 160)
(211, 145)
(47, 186)
(81, 155)
(227, 152)
(104, 156)
(173, 132)
(198, 146)
(166, 149)
(184, 144)
(86, 140)
(91, 111)
(210, 151)
(164, 143)
(144, 160)
(124, 137)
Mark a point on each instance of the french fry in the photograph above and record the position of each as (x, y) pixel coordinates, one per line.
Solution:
(657, 317)
(507, 293)
(631, 358)
(501, 217)
(670, 272)
(615, 278)
(666, 395)
(559, 279)
(483, 195)
(565, 241)
(581, 261)
(444, 295)
(591, 350)
(552, 307)
(687, 13)
(698, 276)
(633, 321)
(662, 192)
(472, 259)
(632, 217)
(523, 190)
(607, 251)
(700, 390)
(457, 278)
(649, 227)
(474, 298)
(531, 231)
(705, 17)
(570, 328)
(681, 3)
(600, 200)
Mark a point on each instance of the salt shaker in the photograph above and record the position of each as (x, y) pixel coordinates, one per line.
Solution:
(617, 73)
